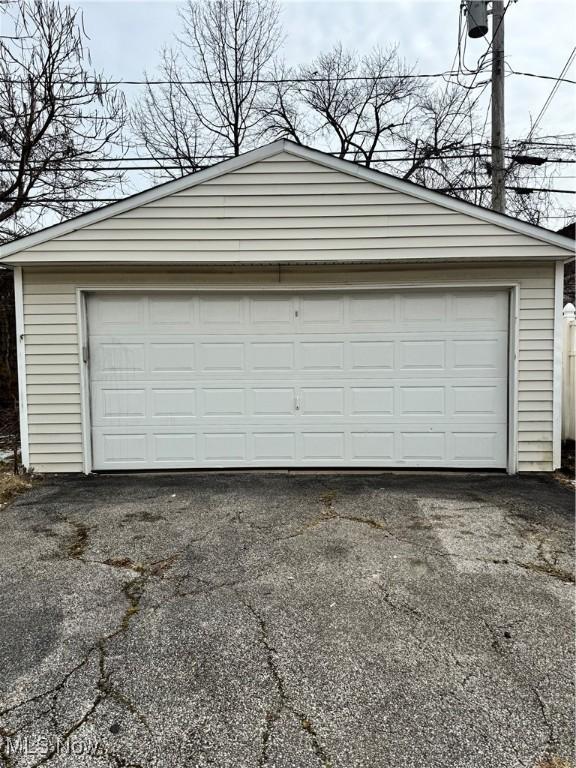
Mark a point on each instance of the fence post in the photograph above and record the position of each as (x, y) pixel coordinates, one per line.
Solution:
(569, 373)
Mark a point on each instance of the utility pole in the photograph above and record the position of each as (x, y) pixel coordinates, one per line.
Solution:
(477, 12)
(498, 137)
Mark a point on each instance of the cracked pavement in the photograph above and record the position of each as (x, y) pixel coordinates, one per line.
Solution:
(288, 620)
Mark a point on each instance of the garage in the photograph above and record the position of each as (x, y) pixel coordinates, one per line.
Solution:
(286, 308)
(357, 378)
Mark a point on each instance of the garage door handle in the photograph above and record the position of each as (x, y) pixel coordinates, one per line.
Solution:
(297, 402)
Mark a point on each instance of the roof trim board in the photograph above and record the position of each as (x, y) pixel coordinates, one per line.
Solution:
(305, 153)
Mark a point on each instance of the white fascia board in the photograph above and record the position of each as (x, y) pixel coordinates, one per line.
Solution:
(306, 153)
(238, 259)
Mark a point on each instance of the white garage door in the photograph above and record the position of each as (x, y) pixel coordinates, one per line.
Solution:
(403, 379)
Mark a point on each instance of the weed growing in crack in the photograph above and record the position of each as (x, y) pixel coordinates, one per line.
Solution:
(79, 541)
(133, 591)
(283, 702)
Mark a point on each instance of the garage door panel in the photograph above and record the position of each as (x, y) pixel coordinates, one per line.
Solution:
(174, 402)
(323, 446)
(422, 400)
(169, 357)
(273, 401)
(371, 355)
(272, 356)
(164, 401)
(277, 310)
(484, 312)
(118, 357)
(320, 356)
(225, 446)
(222, 401)
(274, 446)
(374, 445)
(476, 446)
(121, 403)
(357, 355)
(374, 400)
(168, 311)
(123, 312)
(339, 445)
(421, 445)
(419, 309)
(218, 311)
(221, 356)
(172, 446)
(374, 379)
(319, 311)
(322, 401)
(367, 310)
(486, 400)
(483, 354)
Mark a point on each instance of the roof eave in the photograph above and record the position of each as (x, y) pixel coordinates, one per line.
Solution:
(233, 260)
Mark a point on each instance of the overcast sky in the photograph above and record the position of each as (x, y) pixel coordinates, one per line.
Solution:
(126, 35)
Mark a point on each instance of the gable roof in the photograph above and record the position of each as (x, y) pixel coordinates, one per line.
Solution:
(299, 151)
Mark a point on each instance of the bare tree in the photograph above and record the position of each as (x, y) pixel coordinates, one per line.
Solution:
(214, 82)
(349, 104)
(443, 154)
(362, 108)
(440, 130)
(165, 122)
(58, 120)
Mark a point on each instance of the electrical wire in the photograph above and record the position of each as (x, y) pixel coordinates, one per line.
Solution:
(552, 93)
(167, 165)
(276, 81)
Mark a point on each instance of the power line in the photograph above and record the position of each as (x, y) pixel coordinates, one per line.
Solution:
(512, 145)
(552, 93)
(167, 165)
(543, 77)
(518, 189)
(285, 80)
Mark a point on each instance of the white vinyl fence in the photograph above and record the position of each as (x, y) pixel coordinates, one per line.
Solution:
(569, 374)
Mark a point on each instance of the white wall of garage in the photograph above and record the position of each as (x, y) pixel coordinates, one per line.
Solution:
(52, 332)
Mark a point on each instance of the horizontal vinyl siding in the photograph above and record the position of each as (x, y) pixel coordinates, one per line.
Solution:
(290, 210)
(53, 361)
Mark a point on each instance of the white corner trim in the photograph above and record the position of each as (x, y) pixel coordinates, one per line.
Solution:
(557, 369)
(305, 153)
(513, 357)
(84, 363)
(21, 361)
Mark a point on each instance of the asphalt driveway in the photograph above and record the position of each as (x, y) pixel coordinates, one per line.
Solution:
(294, 621)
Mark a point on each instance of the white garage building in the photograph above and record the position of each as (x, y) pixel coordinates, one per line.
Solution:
(288, 309)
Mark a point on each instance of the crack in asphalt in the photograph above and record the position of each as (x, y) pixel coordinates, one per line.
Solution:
(330, 513)
(133, 591)
(396, 606)
(283, 700)
(549, 743)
